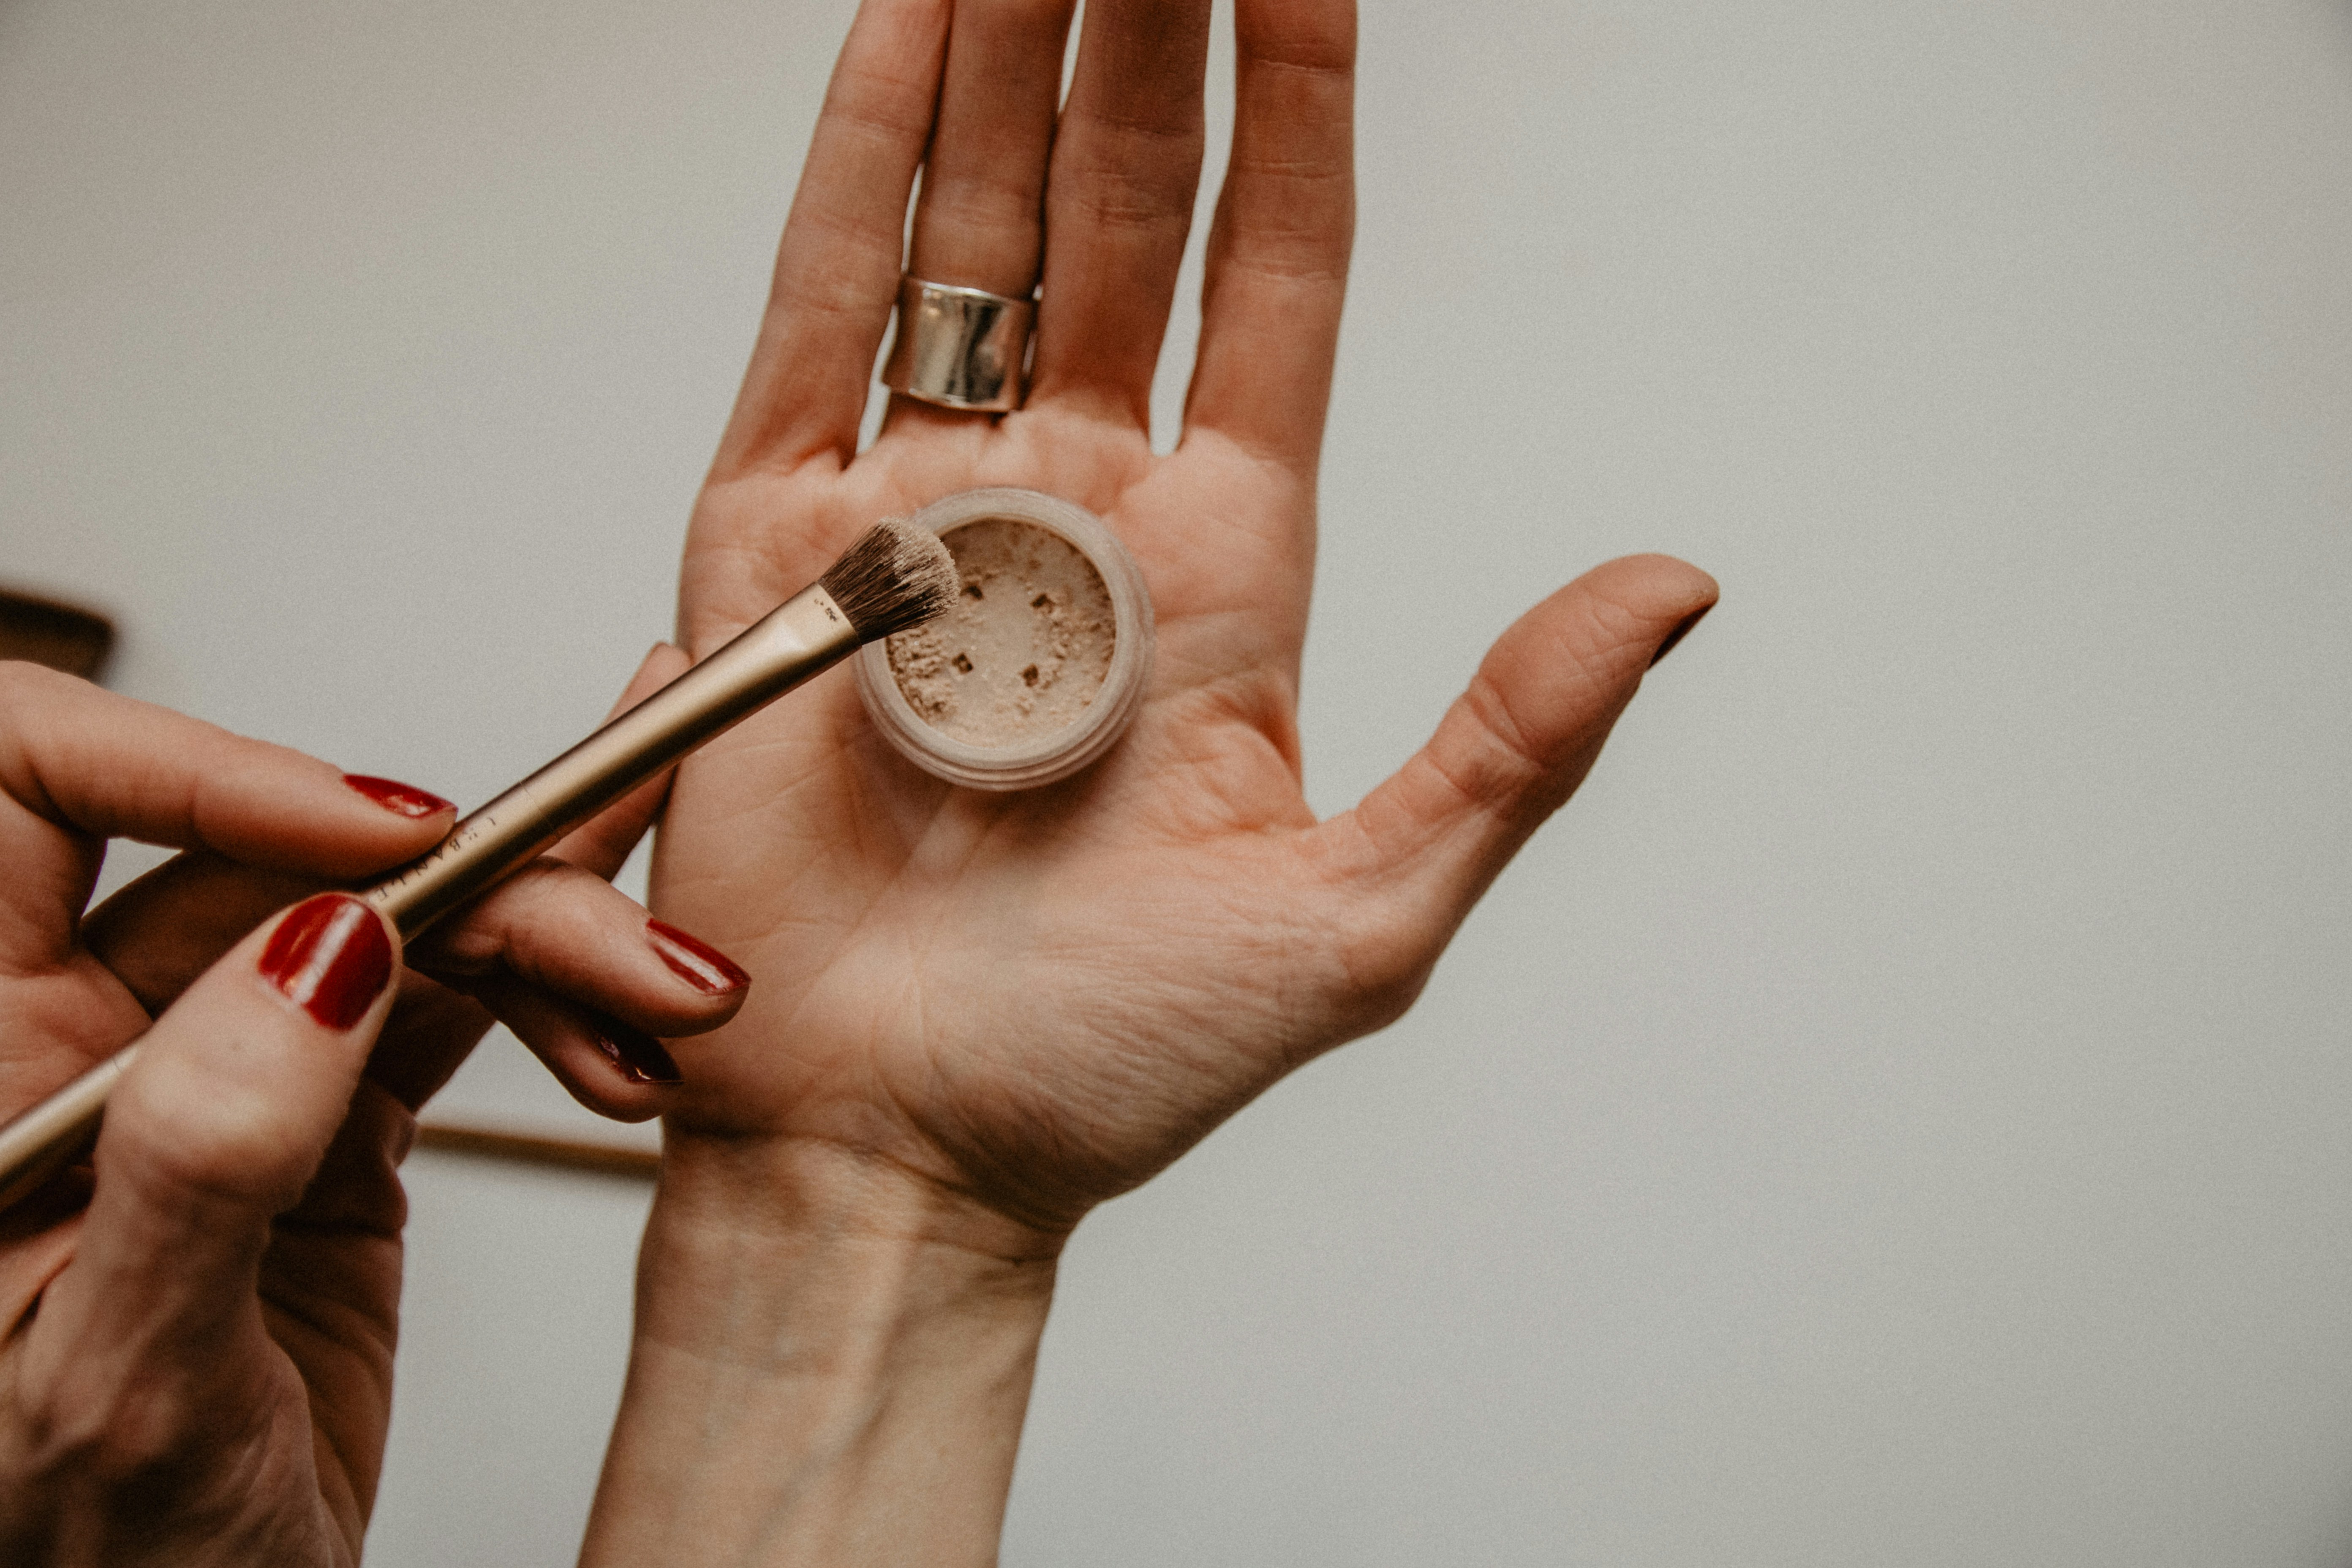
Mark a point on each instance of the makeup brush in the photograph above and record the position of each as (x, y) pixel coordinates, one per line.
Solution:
(896, 576)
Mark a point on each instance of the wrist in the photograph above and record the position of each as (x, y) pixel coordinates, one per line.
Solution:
(831, 1361)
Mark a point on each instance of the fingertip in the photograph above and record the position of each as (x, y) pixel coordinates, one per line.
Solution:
(620, 1073)
(611, 1068)
(641, 1061)
(696, 962)
(1659, 589)
(568, 935)
(113, 767)
(279, 809)
(1613, 622)
(1682, 629)
(400, 799)
(1663, 595)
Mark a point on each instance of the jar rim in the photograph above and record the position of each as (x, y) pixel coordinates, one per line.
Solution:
(1046, 758)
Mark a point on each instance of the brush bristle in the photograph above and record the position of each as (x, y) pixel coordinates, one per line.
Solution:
(896, 576)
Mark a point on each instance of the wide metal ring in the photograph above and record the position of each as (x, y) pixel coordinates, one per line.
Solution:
(960, 348)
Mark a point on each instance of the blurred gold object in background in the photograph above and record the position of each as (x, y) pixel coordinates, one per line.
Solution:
(557, 1154)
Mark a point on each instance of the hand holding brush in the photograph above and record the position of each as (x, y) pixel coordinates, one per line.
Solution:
(196, 1335)
(194, 1366)
(895, 576)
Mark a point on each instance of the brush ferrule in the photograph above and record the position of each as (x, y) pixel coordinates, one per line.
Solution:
(800, 638)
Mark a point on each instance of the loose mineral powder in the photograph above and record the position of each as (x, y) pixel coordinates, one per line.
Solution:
(1026, 646)
(1038, 667)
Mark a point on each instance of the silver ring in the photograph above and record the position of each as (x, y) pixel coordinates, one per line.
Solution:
(960, 348)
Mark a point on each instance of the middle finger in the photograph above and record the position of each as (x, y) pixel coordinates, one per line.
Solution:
(552, 925)
(979, 220)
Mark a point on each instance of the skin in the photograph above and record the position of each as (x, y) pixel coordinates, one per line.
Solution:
(196, 1327)
(977, 1016)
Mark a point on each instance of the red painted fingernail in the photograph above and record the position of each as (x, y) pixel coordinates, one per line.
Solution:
(635, 1053)
(406, 800)
(1680, 631)
(330, 955)
(703, 966)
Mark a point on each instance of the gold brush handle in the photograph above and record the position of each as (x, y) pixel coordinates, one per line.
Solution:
(33, 1145)
(799, 638)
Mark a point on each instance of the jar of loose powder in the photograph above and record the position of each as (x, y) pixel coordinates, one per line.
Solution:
(1041, 664)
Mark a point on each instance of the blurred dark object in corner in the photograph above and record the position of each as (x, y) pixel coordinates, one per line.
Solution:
(59, 635)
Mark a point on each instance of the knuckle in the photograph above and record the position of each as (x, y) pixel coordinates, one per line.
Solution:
(1388, 961)
(866, 98)
(238, 1161)
(1124, 204)
(1317, 60)
(989, 197)
(1513, 746)
(1379, 949)
(1321, 45)
(58, 1431)
(231, 1147)
(22, 682)
(119, 1437)
(1489, 759)
(1034, 13)
(546, 905)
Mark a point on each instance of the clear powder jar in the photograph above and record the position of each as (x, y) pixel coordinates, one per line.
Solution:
(1038, 668)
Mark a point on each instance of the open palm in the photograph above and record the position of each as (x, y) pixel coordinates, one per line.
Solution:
(1035, 1000)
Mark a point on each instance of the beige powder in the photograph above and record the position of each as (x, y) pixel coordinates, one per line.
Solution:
(1026, 646)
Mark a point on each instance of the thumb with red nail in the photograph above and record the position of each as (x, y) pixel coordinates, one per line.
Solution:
(173, 1398)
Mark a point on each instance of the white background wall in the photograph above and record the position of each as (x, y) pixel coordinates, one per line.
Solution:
(1898, 1113)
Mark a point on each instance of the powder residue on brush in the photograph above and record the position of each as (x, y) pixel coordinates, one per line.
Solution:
(1025, 650)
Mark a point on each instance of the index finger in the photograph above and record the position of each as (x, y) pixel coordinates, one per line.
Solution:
(1277, 254)
(837, 267)
(157, 934)
(79, 766)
